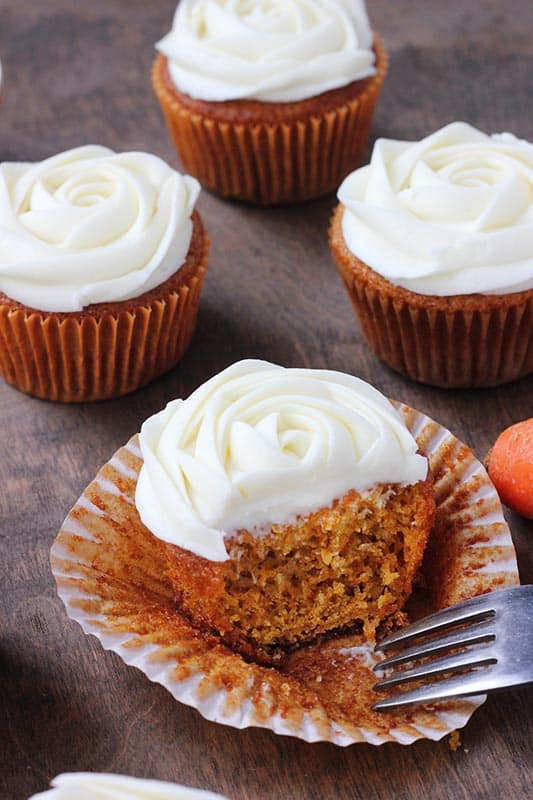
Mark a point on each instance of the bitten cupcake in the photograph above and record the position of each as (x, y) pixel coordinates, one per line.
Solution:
(270, 102)
(106, 786)
(291, 503)
(102, 259)
(434, 242)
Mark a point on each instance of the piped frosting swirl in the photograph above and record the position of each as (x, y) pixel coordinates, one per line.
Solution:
(449, 215)
(91, 226)
(260, 444)
(103, 786)
(267, 50)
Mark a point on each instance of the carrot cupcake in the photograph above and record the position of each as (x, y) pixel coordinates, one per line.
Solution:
(102, 259)
(105, 786)
(434, 242)
(270, 102)
(291, 503)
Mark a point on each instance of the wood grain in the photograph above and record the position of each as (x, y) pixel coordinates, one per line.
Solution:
(80, 72)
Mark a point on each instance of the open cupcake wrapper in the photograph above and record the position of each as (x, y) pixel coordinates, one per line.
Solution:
(110, 574)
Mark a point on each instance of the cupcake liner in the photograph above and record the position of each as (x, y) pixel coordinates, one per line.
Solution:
(110, 574)
(269, 156)
(465, 341)
(94, 356)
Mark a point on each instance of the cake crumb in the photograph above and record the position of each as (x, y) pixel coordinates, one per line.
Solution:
(454, 741)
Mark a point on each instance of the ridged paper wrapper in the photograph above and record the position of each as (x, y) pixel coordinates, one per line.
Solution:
(461, 341)
(110, 574)
(272, 153)
(108, 349)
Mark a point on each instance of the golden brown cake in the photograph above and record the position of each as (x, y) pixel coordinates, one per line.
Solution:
(247, 484)
(410, 254)
(269, 151)
(102, 349)
(349, 565)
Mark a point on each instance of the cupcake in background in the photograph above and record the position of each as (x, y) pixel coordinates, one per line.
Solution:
(104, 786)
(434, 242)
(102, 259)
(270, 102)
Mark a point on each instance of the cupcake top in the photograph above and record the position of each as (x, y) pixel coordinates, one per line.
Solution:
(103, 786)
(268, 50)
(91, 226)
(449, 215)
(259, 444)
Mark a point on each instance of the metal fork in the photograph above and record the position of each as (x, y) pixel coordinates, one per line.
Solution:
(495, 632)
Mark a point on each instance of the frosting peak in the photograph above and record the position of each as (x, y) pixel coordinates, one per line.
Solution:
(259, 444)
(451, 214)
(103, 786)
(91, 226)
(268, 50)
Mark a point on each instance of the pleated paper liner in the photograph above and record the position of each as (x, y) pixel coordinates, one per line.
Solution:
(461, 342)
(110, 574)
(108, 349)
(272, 153)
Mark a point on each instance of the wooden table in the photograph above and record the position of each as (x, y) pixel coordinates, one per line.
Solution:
(78, 73)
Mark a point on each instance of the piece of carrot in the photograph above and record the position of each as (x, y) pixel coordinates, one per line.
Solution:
(510, 465)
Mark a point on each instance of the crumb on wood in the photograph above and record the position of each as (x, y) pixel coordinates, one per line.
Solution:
(454, 741)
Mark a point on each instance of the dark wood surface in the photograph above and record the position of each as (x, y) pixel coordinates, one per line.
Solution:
(77, 73)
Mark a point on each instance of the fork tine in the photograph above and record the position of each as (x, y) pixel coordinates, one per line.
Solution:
(461, 614)
(474, 634)
(458, 686)
(504, 662)
(475, 657)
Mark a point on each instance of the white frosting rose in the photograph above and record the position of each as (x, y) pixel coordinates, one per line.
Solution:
(259, 444)
(451, 214)
(91, 226)
(269, 50)
(103, 786)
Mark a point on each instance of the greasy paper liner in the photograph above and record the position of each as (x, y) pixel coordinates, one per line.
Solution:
(271, 161)
(77, 358)
(110, 574)
(452, 342)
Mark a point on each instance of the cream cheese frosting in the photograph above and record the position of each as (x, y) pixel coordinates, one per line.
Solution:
(268, 50)
(103, 786)
(90, 225)
(260, 444)
(449, 215)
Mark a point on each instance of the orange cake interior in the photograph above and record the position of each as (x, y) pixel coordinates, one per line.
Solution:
(351, 564)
